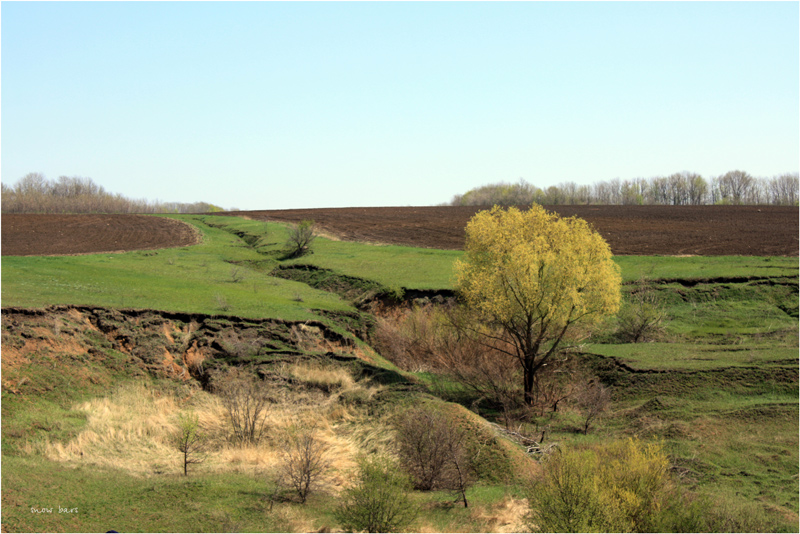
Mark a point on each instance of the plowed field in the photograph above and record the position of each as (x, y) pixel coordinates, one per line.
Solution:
(636, 230)
(35, 234)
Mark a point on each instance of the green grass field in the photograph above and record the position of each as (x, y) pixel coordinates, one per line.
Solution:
(230, 269)
(705, 267)
(233, 502)
(219, 276)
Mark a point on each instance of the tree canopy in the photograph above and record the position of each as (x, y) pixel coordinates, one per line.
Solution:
(33, 193)
(681, 188)
(533, 275)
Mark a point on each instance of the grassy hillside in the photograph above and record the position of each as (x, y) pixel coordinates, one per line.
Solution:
(221, 275)
(91, 400)
(92, 388)
(230, 273)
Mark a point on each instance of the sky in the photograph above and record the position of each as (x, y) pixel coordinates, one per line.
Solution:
(277, 105)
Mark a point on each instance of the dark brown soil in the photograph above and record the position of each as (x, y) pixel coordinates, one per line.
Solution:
(636, 230)
(39, 235)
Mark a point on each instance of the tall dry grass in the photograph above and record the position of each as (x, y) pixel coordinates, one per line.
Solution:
(131, 428)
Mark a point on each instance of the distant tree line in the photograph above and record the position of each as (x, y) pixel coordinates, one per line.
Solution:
(684, 188)
(34, 193)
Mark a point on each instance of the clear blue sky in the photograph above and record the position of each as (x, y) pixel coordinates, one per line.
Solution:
(262, 105)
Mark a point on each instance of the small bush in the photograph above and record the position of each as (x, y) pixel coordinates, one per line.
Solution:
(641, 317)
(300, 238)
(379, 502)
(222, 302)
(433, 449)
(430, 338)
(620, 488)
(237, 275)
(592, 399)
(241, 345)
(685, 513)
(305, 462)
(626, 487)
(245, 400)
(190, 440)
(422, 441)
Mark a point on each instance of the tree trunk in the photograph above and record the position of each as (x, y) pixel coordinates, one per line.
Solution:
(528, 383)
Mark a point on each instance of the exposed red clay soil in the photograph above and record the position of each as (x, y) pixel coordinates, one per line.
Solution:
(41, 235)
(635, 230)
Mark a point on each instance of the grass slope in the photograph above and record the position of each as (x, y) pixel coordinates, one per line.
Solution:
(229, 272)
(221, 275)
(719, 386)
(86, 442)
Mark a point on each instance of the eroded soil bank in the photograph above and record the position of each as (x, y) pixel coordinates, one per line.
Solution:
(175, 345)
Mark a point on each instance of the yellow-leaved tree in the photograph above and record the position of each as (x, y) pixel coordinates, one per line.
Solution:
(532, 275)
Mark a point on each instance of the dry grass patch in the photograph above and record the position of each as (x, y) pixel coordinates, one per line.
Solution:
(329, 389)
(265, 459)
(295, 519)
(507, 515)
(323, 376)
(310, 338)
(132, 428)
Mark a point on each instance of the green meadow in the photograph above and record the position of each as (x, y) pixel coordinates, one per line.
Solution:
(231, 269)
(221, 275)
(696, 268)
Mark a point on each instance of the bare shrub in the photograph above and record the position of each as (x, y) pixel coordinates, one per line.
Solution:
(491, 374)
(444, 340)
(305, 462)
(593, 400)
(560, 383)
(421, 437)
(300, 238)
(407, 338)
(245, 399)
(433, 450)
(642, 316)
(460, 474)
(236, 274)
(242, 345)
(308, 337)
(427, 338)
(222, 302)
